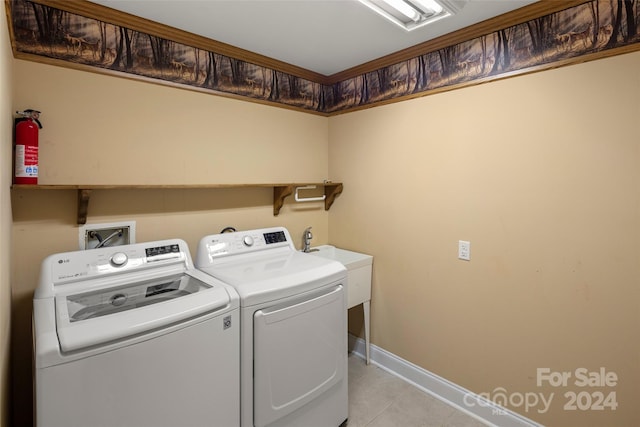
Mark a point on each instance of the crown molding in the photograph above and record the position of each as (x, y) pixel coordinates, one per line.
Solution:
(509, 19)
(394, 78)
(116, 17)
(112, 16)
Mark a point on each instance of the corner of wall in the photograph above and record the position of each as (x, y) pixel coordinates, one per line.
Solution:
(6, 135)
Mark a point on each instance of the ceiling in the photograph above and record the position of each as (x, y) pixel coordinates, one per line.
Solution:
(324, 36)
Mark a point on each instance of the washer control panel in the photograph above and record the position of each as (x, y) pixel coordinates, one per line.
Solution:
(82, 265)
(240, 242)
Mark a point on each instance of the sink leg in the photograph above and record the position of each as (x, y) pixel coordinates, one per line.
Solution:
(366, 306)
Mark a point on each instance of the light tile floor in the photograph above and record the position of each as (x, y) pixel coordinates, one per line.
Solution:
(380, 399)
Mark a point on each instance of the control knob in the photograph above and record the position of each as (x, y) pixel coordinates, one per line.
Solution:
(119, 259)
(247, 240)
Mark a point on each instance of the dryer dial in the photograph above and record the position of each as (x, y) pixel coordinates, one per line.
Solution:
(247, 240)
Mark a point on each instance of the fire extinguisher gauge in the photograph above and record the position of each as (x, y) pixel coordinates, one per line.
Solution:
(31, 114)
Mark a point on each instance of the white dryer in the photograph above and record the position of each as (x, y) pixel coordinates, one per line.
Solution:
(293, 337)
(134, 336)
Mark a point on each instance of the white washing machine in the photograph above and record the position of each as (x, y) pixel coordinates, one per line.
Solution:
(134, 336)
(293, 340)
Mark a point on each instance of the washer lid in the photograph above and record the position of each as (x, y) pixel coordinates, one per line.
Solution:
(108, 314)
(114, 300)
(271, 276)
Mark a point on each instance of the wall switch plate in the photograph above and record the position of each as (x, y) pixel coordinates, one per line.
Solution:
(92, 236)
(464, 250)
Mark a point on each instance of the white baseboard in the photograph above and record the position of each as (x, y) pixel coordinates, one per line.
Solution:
(452, 394)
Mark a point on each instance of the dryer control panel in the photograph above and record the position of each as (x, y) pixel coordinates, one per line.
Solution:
(242, 242)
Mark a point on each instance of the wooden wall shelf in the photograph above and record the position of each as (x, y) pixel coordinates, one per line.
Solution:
(280, 192)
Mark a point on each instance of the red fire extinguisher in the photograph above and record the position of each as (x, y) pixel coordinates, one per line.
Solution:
(26, 165)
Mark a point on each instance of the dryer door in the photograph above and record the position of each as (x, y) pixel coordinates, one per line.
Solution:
(300, 352)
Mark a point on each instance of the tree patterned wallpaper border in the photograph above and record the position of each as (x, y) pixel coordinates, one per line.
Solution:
(558, 38)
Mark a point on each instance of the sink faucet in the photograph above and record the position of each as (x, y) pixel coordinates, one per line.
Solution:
(306, 239)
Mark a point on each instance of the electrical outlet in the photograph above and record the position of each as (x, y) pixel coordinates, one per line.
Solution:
(93, 236)
(464, 250)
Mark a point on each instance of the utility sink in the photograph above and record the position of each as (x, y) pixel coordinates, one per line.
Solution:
(349, 259)
(358, 279)
(358, 271)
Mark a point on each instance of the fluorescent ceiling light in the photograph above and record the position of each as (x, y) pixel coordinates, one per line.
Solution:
(411, 14)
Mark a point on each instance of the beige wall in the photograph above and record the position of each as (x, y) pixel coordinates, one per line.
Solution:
(105, 130)
(541, 173)
(6, 126)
